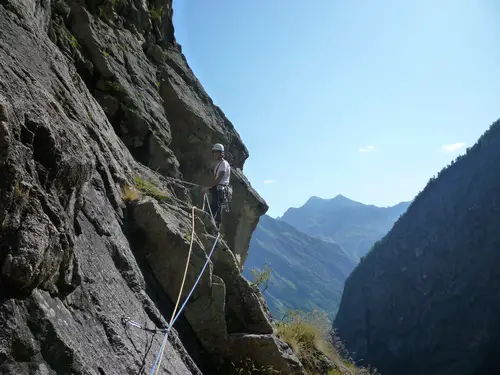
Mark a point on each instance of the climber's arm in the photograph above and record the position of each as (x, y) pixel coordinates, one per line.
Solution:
(217, 180)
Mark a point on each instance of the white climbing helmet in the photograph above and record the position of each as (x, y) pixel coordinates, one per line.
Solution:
(218, 147)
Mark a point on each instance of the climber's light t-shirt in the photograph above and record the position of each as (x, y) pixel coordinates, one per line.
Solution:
(223, 166)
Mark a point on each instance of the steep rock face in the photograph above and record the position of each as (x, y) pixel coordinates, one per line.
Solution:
(93, 96)
(225, 310)
(426, 300)
(166, 244)
(130, 61)
(68, 274)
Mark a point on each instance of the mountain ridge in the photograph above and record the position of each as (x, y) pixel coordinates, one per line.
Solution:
(338, 198)
(353, 225)
(287, 249)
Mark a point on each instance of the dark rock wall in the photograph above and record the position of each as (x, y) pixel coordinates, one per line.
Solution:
(426, 300)
(92, 94)
(67, 271)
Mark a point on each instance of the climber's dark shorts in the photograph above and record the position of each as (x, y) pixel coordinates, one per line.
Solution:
(219, 201)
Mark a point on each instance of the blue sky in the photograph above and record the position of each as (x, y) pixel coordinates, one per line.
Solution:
(368, 99)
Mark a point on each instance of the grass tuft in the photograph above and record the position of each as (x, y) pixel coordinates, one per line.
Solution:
(305, 336)
(114, 85)
(130, 194)
(248, 367)
(309, 336)
(150, 189)
(19, 191)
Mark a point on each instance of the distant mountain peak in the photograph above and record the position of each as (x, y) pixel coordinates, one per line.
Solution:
(342, 197)
(314, 198)
(353, 225)
(338, 198)
(342, 201)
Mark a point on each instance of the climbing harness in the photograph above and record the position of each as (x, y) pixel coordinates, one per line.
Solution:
(175, 313)
(225, 190)
(227, 195)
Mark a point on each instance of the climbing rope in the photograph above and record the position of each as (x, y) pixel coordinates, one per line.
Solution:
(180, 291)
(127, 320)
(156, 366)
(175, 314)
(172, 179)
(204, 197)
(182, 182)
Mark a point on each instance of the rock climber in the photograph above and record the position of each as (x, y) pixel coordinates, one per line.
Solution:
(220, 189)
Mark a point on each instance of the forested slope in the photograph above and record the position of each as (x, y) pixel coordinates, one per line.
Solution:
(306, 273)
(426, 300)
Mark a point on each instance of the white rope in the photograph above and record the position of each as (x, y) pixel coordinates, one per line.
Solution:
(182, 182)
(132, 323)
(156, 366)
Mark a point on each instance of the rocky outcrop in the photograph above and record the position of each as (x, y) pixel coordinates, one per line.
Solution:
(268, 351)
(156, 105)
(167, 235)
(225, 310)
(426, 299)
(95, 97)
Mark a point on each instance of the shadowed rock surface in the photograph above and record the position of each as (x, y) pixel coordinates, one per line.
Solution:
(94, 97)
(426, 300)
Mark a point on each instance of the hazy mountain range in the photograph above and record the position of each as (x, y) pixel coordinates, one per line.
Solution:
(352, 225)
(312, 249)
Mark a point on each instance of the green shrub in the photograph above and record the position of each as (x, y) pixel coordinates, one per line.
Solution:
(156, 13)
(261, 277)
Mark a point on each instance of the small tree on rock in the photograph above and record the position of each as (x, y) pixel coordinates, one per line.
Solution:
(261, 277)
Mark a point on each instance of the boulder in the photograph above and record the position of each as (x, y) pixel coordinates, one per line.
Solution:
(264, 351)
(223, 299)
(167, 236)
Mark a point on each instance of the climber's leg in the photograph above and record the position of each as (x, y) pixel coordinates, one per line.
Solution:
(215, 205)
